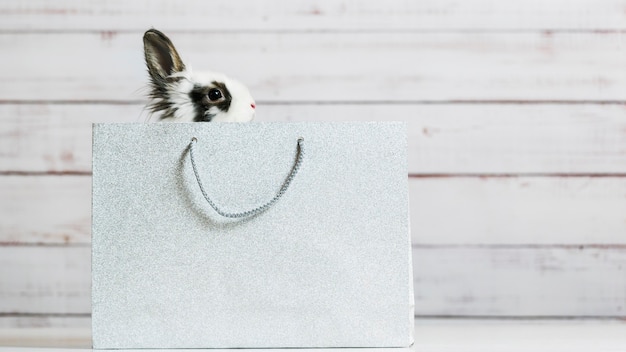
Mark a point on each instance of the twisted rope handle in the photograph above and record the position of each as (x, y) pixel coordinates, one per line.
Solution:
(259, 209)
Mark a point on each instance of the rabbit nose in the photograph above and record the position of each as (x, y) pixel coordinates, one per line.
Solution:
(253, 105)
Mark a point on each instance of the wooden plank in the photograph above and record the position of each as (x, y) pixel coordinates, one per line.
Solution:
(45, 280)
(54, 138)
(491, 139)
(520, 281)
(458, 281)
(45, 321)
(284, 15)
(476, 335)
(443, 139)
(356, 67)
(449, 210)
(69, 339)
(518, 210)
(45, 210)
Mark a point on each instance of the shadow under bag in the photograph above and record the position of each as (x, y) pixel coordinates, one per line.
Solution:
(256, 235)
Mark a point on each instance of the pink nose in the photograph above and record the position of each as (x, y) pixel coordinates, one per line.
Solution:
(253, 105)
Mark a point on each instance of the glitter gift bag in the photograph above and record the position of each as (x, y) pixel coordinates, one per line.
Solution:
(255, 235)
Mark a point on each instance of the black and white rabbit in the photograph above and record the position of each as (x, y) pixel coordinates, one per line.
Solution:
(180, 95)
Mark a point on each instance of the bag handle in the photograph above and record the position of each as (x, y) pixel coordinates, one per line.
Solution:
(259, 209)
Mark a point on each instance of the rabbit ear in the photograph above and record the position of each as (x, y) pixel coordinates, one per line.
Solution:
(162, 58)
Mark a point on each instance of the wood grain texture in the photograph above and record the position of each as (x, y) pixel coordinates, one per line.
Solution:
(451, 335)
(521, 282)
(483, 139)
(51, 280)
(45, 210)
(354, 67)
(518, 211)
(481, 281)
(284, 15)
(45, 321)
(444, 211)
(442, 138)
(39, 138)
(46, 339)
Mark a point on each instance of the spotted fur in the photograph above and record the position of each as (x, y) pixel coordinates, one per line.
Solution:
(178, 94)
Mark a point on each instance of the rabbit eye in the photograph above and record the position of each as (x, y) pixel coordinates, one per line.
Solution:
(215, 94)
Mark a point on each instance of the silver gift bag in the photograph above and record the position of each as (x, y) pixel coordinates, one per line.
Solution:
(253, 235)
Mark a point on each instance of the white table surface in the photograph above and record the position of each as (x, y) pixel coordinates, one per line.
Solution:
(430, 335)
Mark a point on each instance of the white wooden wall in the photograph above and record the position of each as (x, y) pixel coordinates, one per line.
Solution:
(516, 111)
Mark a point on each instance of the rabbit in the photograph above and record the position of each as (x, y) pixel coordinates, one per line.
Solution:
(180, 95)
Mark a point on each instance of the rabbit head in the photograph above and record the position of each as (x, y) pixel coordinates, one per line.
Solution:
(181, 95)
